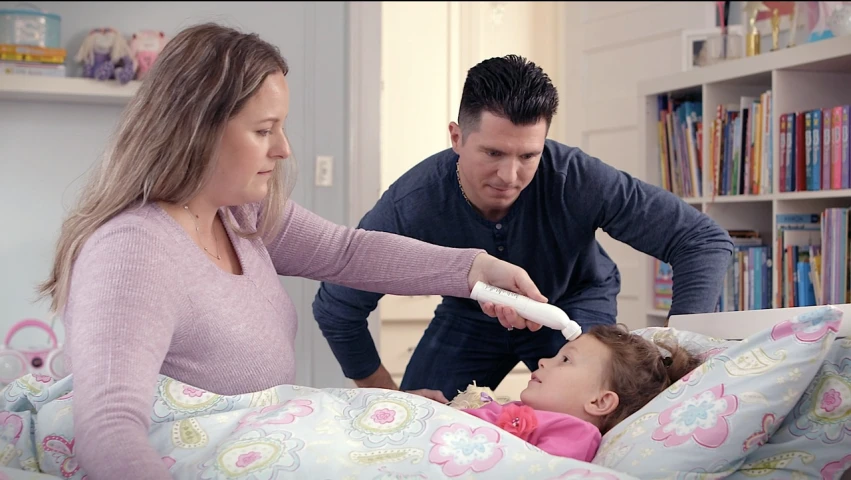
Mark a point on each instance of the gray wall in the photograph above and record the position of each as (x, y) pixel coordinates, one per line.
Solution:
(47, 147)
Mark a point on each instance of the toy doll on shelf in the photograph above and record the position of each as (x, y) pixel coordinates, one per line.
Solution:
(145, 46)
(106, 55)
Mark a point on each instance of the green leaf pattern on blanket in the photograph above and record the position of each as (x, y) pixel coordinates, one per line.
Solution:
(284, 432)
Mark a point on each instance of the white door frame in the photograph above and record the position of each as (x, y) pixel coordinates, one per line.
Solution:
(364, 108)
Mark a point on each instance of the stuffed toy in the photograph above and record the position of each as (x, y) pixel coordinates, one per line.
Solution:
(474, 397)
(145, 46)
(106, 55)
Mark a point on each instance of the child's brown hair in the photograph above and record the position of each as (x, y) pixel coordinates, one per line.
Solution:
(638, 371)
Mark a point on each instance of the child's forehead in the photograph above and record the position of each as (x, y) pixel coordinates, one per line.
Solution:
(585, 343)
(575, 346)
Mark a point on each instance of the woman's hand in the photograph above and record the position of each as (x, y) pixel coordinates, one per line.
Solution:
(507, 276)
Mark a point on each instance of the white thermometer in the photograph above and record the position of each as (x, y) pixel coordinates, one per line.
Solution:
(538, 312)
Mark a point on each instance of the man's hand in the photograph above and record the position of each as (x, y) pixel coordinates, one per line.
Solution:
(435, 395)
(380, 379)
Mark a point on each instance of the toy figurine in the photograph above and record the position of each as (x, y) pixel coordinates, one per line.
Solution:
(793, 25)
(475, 396)
(105, 55)
(750, 10)
(145, 46)
(775, 29)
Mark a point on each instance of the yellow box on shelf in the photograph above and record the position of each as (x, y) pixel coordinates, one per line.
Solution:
(32, 53)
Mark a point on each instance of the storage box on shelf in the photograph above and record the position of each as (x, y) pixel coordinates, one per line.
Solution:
(741, 141)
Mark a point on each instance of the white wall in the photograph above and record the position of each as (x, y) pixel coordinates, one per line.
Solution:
(608, 48)
(40, 178)
(495, 29)
(415, 83)
(426, 51)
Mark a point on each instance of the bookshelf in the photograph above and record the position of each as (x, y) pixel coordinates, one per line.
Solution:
(34, 88)
(808, 78)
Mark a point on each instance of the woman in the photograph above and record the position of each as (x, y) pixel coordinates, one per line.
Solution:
(170, 263)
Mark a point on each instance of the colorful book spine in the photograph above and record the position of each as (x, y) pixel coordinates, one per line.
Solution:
(816, 151)
(808, 145)
(827, 165)
(846, 154)
(784, 185)
(790, 152)
(836, 139)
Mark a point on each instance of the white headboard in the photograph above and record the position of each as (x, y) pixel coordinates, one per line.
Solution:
(738, 325)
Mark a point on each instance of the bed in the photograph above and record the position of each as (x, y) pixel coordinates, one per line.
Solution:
(771, 400)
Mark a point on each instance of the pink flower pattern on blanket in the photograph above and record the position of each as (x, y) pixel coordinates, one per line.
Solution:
(61, 448)
(458, 448)
(384, 415)
(701, 418)
(834, 470)
(831, 400)
(169, 461)
(192, 391)
(247, 459)
(11, 427)
(276, 414)
(807, 331)
(711, 353)
(758, 439)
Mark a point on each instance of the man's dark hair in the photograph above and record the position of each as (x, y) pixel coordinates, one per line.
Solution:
(511, 87)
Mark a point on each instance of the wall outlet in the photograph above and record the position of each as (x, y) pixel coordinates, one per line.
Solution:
(324, 170)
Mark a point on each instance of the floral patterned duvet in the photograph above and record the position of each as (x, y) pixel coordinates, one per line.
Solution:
(283, 432)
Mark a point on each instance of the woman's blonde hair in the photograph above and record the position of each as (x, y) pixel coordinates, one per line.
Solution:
(164, 147)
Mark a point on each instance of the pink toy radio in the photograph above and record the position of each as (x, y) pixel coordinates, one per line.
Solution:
(15, 363)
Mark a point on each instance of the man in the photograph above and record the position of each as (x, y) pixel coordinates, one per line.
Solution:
(505, 188)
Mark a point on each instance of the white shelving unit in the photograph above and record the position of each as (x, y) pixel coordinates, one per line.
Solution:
(808, 76)
(33, 88)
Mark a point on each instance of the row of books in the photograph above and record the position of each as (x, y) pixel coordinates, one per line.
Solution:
(815, 265)
(814, 149)
(799, 248)
(32, 60)
(680, 131)
(740, 146)
(747, 284)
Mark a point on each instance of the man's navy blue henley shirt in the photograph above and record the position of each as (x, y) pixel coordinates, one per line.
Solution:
(550, 231)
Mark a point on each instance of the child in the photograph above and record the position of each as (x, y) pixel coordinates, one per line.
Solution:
(594, 382)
